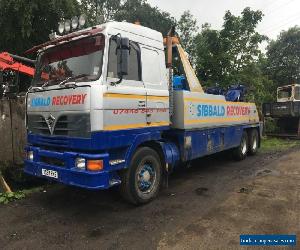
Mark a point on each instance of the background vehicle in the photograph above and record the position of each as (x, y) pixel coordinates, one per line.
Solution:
(108, 114)
(286, 111)
(10, 67)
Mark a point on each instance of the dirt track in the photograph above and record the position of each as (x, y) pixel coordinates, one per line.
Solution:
(205, 207)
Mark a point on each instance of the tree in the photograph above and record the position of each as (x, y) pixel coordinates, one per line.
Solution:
(127, 10)
(152, 17)
(260, 88)
(223, 55)
(187, 30)
(24, 24)
(283, 58)
(100, 9)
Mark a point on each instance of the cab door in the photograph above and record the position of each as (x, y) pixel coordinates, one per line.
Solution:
(156, 85)
(124, 103)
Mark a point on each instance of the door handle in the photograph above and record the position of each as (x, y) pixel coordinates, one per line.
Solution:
(142, 104)
(148, 117)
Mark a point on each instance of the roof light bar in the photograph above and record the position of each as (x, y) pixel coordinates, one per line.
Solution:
(82, 20)
(73, 24)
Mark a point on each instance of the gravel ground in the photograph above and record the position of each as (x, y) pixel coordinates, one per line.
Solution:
(205, 207)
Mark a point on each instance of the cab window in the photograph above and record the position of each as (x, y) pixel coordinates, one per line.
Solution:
(285, 92)
(151, 67)
(134, 72)
(297, 93)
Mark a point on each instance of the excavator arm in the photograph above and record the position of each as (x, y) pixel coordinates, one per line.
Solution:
(8, 62)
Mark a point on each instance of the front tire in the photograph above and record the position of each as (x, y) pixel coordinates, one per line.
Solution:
(240, 153)
(253, 142)
(142, 180)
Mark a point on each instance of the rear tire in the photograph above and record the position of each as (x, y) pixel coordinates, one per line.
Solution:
(240, 153)
(253, 142)
(142, 180)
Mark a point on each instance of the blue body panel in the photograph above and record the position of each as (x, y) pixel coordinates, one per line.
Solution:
(116, 149)
(206, 141)
(103, 140)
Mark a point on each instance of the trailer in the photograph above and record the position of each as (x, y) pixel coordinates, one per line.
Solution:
(285, 112)
(108, 114)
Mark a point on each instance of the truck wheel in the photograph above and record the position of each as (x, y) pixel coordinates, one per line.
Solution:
(253, 142)
(241, 151)
(142, 180)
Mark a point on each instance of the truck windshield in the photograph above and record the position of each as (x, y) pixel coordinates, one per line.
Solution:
(285, 93)
(79, 60)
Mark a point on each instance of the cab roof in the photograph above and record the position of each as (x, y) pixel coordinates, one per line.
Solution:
(135, 29)
(110, 28)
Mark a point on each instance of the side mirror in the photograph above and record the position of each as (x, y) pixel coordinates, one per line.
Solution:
(123, 57)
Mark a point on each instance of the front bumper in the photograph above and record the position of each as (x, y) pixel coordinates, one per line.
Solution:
(68, 173)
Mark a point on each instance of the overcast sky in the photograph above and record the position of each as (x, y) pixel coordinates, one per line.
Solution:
(279, 14)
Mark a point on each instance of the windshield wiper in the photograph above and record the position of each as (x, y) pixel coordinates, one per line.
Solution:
(71, 78)
(46, 84)
(34, 88)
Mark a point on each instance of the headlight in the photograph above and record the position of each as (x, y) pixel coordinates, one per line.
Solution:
(75, 22)
(61, 27)
(82, 20)
(67, 25)
(80, 163)
(30, 155)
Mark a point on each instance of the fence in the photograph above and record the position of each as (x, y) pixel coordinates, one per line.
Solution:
(12, 131)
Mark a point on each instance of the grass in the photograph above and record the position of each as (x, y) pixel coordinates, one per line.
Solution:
(6, 198)
(275, 144)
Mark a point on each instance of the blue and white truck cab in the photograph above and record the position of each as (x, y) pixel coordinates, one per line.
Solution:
(102, 111)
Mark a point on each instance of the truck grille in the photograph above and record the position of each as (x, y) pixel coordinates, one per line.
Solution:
(52, 161)
(282, 109)
(76, 125)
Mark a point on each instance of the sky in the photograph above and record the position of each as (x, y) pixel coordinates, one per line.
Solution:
(278, 14)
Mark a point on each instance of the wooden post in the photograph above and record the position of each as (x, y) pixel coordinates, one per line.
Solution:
(169, 44)
(4, 185)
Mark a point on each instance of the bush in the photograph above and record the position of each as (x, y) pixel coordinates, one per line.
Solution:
(271, 125)
(11, 196)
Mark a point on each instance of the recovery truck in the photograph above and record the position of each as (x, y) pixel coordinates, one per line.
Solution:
(285, 112)
(108, 113)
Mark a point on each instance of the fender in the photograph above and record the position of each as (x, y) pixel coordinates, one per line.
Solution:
(140, 139)
(171, 153)
(169, 149)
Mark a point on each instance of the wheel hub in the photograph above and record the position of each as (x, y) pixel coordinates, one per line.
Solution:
(146, 178)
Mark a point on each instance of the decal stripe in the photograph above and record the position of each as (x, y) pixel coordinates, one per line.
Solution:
(227, 119)
(127, 96)
(153, 97)
(131, 96)
(192, 99)
(135, 125)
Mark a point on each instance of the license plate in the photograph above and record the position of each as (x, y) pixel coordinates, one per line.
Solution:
(50, 173)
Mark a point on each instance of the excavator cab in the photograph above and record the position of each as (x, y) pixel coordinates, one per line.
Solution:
(15, 77)
(10, 83)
